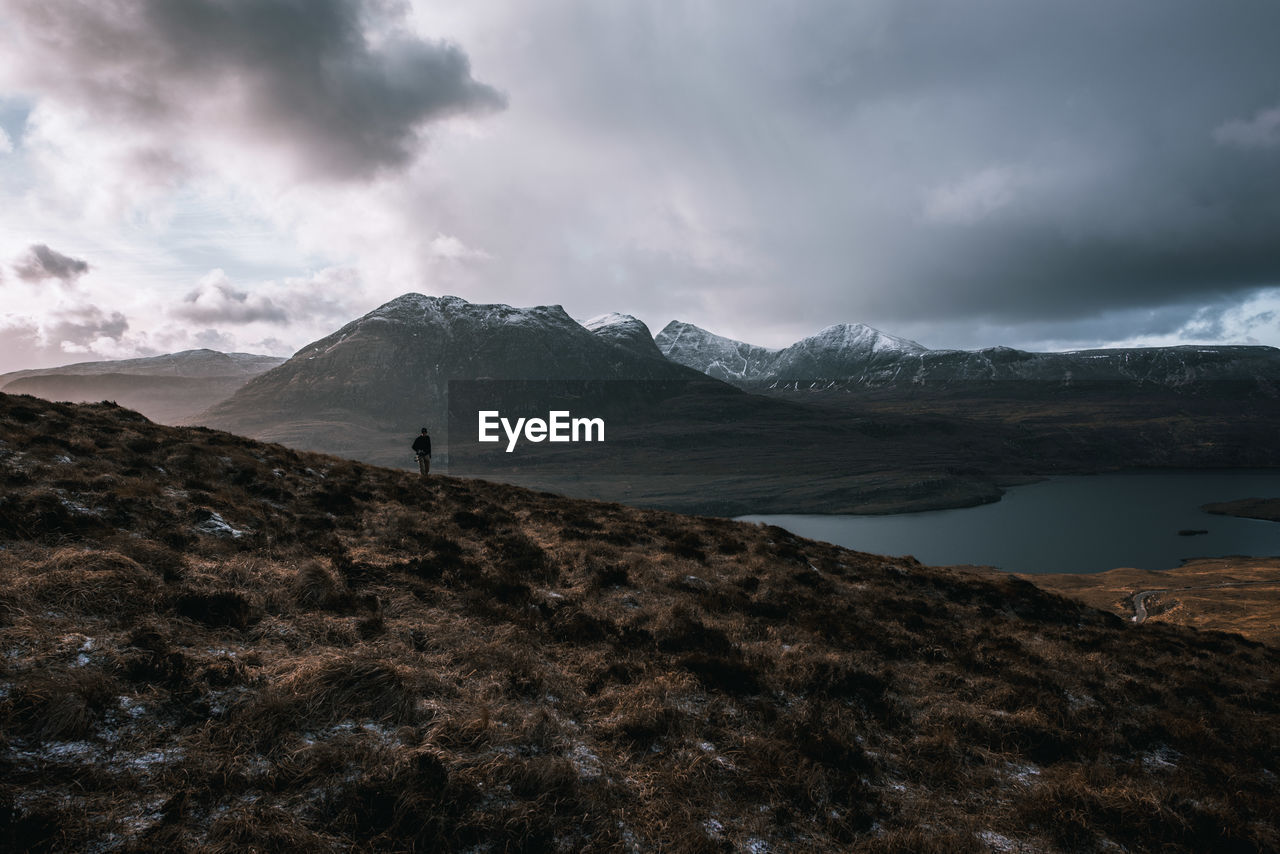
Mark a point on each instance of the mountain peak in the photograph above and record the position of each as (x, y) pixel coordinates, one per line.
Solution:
(623, 330)
(389, 371)
(415, 308)
(859, 336)
(611, 319)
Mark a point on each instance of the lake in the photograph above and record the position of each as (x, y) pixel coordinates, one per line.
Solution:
(1069, 524)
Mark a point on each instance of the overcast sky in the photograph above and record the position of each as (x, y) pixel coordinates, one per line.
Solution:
(250, 174)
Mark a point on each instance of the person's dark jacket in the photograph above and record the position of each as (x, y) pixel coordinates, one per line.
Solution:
(422, 445)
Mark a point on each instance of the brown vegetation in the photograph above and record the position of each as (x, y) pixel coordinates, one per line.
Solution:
(1229, 594)
(211, 644)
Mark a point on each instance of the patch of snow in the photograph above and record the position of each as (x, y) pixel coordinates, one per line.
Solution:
(1080, 701)
(629, 838)
(1024, 773)
(131, 707)
(998, 841)
(151, 758)
(139, 822)
(1162, 759)
(602, 321)
(61, 751)
(63, 459)
(382, 732)
(80, 510)
(586, 763)
(756, 845)
(713, 828)
(216, 526)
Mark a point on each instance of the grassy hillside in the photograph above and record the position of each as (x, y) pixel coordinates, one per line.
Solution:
(211, 644)
(1235, 594)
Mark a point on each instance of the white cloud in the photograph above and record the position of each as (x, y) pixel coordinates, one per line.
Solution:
(66, 334)
(215, 300)
(1262, 130)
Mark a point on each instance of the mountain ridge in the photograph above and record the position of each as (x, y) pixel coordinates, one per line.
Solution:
(170, 388)
(858, 356)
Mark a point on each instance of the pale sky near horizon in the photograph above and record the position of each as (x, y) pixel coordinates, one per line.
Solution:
(251, 174)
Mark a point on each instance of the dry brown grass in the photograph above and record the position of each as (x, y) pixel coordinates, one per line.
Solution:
(1233, 594)
(382, 663)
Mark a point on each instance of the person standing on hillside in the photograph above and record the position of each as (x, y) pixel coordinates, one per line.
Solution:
(422, 447)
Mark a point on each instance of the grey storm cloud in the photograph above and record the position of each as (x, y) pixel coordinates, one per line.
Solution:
(896, 160)
(42, 263)
(1081, 171)
(85, 325)
(336, 83)
(215, 300)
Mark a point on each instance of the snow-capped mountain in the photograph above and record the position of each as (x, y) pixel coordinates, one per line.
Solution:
(623, 330)
(842, 350)
(854, 355)
(388, 372)
(716, 356)
(845, 349)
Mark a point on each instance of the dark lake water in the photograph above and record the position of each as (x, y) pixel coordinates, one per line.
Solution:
(1069, 524)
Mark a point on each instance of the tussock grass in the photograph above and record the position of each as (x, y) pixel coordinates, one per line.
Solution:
(380, 662)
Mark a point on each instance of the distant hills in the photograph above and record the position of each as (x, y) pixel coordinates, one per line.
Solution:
(843, 350)
(853, 356)
(850, 419)
(169, 388)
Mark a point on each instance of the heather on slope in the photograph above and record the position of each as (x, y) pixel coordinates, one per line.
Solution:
(211, 644)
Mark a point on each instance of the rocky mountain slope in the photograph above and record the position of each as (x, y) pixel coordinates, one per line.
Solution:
(722, 358)
(381, 377)
(852, 356)
(219, 645)
(623, 330)
(168, 388)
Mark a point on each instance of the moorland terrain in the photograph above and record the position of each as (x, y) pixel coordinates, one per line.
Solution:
(213, 644)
